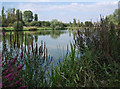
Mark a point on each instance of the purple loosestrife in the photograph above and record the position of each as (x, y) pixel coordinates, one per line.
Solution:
(3, 33)
(22, 55)
(13, 62)
(20, 67)
(23, 87)
(7, 76)
(18, 82)
(0, 63)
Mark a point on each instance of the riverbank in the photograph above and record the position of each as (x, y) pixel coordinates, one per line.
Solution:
(7, 29)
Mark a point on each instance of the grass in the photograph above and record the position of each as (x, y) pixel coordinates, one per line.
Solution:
(98, 65)
(27, 28)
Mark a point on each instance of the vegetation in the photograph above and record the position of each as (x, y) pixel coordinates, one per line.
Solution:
(56, 25)
(93, 60)
(98, 65)
(18, 27)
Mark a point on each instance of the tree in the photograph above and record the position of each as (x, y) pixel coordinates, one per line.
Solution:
(20, 15)
(55, 24)
(36, 17)
(74, 22)
(20, 25)
(28, 16)
(88, 24)
(17, 13)
(115, 17)
(78, 23)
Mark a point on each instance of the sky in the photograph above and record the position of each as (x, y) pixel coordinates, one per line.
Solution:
(65, 11)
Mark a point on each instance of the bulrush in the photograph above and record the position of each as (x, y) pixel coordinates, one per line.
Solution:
(20, 67)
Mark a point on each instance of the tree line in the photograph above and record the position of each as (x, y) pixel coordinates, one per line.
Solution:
(27, 18)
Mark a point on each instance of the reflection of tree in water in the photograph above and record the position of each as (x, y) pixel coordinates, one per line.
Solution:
(36, 38)
(54, 34)
(30, 37)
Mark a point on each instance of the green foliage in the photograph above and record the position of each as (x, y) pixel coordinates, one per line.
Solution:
(28, 16)
(74, 22)
(97, 66)
(16, 26)
(88, 24)
(36, 17)
(115, 17)
(34, 23)
(56, 25)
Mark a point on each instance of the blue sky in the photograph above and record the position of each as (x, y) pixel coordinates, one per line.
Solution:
(65, 11)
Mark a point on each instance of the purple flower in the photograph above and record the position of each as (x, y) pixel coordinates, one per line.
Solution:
(11, 79)
(8, 75)
(23, 87)
(20, 67)
(22, 55)
(0, 85)
(3, 33)
(17, 82)
(14, 60)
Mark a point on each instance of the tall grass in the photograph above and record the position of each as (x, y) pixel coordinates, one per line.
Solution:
(99, 64)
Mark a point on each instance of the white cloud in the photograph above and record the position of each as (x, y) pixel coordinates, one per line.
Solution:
(74, 4)
(73, 10)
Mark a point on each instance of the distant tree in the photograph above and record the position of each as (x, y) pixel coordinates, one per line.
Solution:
(20, 25)
(36, 17)
(56, 25)
(28, 16)
(115, 17)
(20, 15)
(17, 13)
(88, 24)
(45, 23)
(74, 22)
(81, 24)
(78, 24)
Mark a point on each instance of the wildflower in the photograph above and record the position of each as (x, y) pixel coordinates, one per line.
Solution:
(3, 33)
(22, 55)
(23, 87)
(17, 82)
(15, 58)
(11, 79)
(8, 75)
(20, 67)
(1, 85)
(10, 85)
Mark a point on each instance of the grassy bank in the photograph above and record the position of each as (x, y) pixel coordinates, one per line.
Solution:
(27, 28)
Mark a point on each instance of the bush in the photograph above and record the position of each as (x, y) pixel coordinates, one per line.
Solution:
(20, 25)
(34, 23)
(56, 25)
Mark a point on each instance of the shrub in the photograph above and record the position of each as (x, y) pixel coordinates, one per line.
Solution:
(34, 23)
(20, 25)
